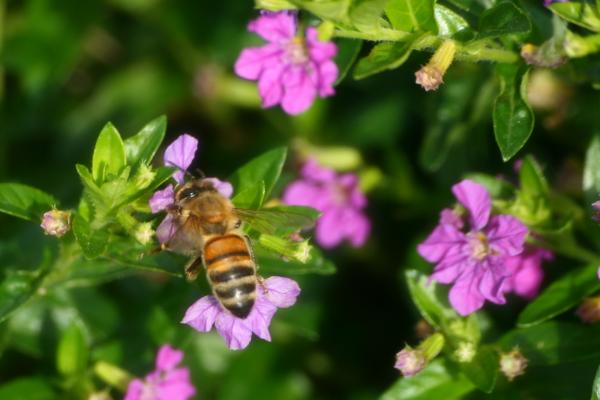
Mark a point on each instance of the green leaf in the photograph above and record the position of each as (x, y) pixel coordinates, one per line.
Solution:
(591, 171)
(503, 19)
(109, 154)
(250, 197)
(273, 5)
(384, 56)
(92, 242)
(334, 10)
(513, 118)
(580, 12)
(16, 288)
(560, 296)
(428, 299)
(348, 50)
(555, 342)
(89, 184)
(482, 370)
(365, 15)
(30, 388)
(532, 181)
(448, 22)
(265, 168)
(412, 15)
(24, 201)
(72, 352)
(141, 147)
(436, 381)
(596, 386)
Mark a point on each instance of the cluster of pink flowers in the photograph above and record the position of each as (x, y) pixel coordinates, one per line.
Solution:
(166, 382)
(338, 198)
(484, 256)
(293, 68)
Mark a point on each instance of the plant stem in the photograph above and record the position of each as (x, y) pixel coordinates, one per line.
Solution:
(474, 51)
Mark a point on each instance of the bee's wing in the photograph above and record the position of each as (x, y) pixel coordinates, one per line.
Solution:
(182, 235)
(278, 220)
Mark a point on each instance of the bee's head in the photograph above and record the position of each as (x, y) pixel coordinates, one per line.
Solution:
(192, 189)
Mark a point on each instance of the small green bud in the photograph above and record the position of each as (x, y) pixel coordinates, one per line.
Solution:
(299, 250)
(465, 352)
(431, 76)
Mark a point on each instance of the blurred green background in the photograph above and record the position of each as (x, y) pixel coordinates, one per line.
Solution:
(69, 66)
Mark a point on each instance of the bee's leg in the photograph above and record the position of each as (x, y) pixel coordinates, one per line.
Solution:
(193, 267)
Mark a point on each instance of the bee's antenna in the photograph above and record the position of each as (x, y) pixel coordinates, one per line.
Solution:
(189, 174)
(200, 173)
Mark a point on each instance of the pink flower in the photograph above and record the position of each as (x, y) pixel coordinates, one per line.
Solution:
(56, 222)
(338, 198)
(526, 272)
(410, 361)
(474, 259)
(179, 154)
(548, 2)
(291, 69)
(166, 382)
(275, 292)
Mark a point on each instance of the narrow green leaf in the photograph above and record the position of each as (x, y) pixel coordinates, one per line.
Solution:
(596, 386)
(109, 154)
(334, 10)
(512, 116)
(591, 171)
(532, 180)
(348, 50)
(436, 381)
(30, 388)
(72, 352)
(412, 15)
(141, 147)
(250, 197)
(365, 15)
(580, 12)
(24, 201)
(16, 288)
(503, 19)
(384, 56)
(265, 168)
(560, 296)
(88, 183)
(92, 242)
(428, 299)
(482, 370)
(554, 342)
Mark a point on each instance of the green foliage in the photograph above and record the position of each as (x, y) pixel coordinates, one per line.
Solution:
(412, 15)
(513, 118)
(596, 386)
(24, 201)
(580, 12)
(384, 56)
(561, 295)
(503, 19)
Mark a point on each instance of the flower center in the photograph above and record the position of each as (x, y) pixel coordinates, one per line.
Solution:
(295, 51)
(148, 392)
(340, 194)
(480, 247)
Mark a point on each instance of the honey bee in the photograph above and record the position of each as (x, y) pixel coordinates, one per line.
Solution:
(208, 228)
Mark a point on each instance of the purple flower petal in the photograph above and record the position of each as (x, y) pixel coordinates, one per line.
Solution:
(476, 200)
(506, 234)
(328, 233)
(274, 27)
(223, 187)
(319, 51)
(491, 287)
(259, 319)
(449, 217)
(300, 91)
(313, 171)
(235, 332)
(180, 154)
(328, 74)
(282, 292)
(166, 229)
(168, 357)
(202, 314)
(464, 295)
(302, 193)
(254, 60)
(161, 199)
(270, 86)
(134, 390)
(526, 272)
(175, 385)
(440, 241)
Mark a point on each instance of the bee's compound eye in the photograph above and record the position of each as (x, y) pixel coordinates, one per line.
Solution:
(189, 193)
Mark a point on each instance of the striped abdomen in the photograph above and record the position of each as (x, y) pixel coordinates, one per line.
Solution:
(231, 272)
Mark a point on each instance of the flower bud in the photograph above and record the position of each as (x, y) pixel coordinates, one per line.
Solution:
(143, 177)
(143, 233)
(589, 310)
(410, 361)
(431, 76)
(295, 250)
(512, 364)
(465, 352)
(56, 222)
